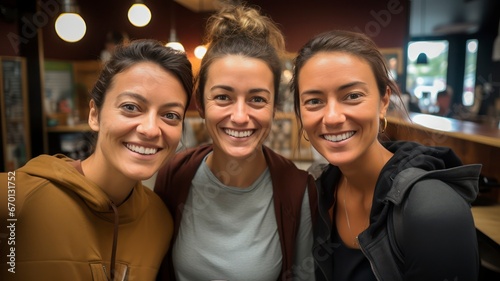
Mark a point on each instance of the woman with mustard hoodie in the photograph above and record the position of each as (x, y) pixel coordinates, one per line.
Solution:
(93, 219)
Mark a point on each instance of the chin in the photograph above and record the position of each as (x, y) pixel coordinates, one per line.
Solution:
(243, 153)
(141, 173)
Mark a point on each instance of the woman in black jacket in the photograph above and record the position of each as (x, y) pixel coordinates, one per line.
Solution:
(387, 210)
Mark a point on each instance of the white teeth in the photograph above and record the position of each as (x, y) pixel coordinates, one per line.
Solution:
(238, 134)
(142, 149)
(337, 138)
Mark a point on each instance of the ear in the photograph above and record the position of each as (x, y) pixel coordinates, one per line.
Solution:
(384, 102)
(93, 116)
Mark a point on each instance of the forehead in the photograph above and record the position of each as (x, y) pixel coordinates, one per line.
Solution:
(147, 78)
(239, 65)
(142, 68)
(335, 66)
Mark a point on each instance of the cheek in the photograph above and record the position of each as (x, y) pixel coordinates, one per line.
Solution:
(173, 134)
(211, 111)
(307, 118)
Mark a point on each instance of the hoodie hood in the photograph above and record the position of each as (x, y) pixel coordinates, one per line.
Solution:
(59, 171)
(428, 158)
(430, 162)
(412, 162)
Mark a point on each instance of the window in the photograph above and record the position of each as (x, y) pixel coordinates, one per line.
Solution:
(424, 81)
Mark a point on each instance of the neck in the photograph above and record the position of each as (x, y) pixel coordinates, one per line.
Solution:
(237, 172)
(115, 185)
(369, 165)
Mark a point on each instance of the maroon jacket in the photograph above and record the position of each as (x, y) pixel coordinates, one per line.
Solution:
(174, 180)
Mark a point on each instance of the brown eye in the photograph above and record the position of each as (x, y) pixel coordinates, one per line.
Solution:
(258, 99)
(353, 96)
(172, 116)
(130, 107)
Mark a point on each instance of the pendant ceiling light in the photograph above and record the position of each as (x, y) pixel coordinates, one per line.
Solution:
(496, 46)
(173, 41)
(200, 50)
(422, 58)
(69, 25)
(139, 14)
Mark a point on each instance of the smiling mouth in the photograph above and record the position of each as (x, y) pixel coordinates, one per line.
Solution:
(239, 134)
(339, 137)
(141, 149)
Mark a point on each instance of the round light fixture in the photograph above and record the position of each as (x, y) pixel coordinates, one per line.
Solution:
(176, 46)
(70, 27)
(200, 51)
(139, 15)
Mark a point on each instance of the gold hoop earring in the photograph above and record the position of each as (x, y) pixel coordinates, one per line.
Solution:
(385, 126)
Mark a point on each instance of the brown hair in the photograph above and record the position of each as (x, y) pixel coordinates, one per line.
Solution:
(241, 30)
(356, 44)
(144, 50)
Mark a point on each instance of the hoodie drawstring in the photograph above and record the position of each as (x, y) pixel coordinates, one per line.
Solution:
(115, 242)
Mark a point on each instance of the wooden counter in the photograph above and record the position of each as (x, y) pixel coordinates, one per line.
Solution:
(487, 220)
(465, 130)
(472, 142)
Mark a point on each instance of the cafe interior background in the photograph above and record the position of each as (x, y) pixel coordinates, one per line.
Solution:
(429, 45)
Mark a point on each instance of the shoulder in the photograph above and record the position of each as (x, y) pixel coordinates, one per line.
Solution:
(21, 184)
(188, 155)
(433, 206)
(182, 165)
(429, 196)
(156, 204)
(436, 219)
(279, 163)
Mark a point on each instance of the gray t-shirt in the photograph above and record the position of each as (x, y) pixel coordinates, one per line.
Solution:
(230, 233)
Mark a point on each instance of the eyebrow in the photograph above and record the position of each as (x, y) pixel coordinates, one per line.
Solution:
(231, 89)
(351, 84)
(340, 88)
(144, 100)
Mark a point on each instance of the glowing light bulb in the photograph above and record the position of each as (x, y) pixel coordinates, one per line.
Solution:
(200, 51)
(176, 46)
(139, 15)
(70, 27)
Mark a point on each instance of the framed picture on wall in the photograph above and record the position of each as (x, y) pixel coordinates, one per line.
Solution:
(394, 60)
(16, 146)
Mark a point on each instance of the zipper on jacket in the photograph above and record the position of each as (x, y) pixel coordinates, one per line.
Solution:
(115, 242)
(369, 260)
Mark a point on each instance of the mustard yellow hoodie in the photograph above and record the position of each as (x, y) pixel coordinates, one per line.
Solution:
(58, 225)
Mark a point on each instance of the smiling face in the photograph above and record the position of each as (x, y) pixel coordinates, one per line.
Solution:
(239, 99)
(140, 122)
(341, 107)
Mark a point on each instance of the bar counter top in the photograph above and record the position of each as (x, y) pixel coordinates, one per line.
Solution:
(487, 220)
(474, 143)
(465, 130)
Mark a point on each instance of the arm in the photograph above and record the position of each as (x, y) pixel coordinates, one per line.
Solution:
(303, 268)
(439, 234)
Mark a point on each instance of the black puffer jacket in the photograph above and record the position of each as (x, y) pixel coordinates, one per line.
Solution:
(421, 226)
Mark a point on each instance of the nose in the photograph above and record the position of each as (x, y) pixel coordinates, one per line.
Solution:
(149, 127)
(334, 114)
(240, 112)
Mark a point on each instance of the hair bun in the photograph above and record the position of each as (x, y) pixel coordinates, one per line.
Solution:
(243, 21)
